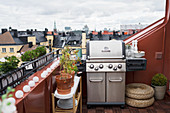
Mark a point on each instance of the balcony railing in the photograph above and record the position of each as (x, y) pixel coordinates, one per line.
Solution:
(20, 74)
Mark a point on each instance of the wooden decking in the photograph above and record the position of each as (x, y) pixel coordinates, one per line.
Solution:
(161, 106)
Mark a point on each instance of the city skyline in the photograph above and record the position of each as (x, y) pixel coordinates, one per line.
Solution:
(97, 14)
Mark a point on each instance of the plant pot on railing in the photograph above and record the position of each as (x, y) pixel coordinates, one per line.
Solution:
(64, 83)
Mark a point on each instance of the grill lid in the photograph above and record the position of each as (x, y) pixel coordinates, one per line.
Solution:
(112, 49)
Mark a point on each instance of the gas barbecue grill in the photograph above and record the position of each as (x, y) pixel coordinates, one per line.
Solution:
(106, 67)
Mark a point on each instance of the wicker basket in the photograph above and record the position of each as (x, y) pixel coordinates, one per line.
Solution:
(139, 103)
(139, 91)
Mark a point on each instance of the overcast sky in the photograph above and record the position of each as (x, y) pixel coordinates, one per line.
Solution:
(99, 14)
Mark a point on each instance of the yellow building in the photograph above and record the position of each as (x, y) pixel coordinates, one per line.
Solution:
(8, 46)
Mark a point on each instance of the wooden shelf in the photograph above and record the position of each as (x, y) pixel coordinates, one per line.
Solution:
(76, 96)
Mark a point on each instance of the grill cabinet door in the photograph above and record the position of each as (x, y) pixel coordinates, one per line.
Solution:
(96, 87)
(115, 87)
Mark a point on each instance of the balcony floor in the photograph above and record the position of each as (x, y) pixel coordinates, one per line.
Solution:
(159, 106)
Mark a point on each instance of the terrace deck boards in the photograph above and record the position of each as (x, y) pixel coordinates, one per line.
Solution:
(159, 106)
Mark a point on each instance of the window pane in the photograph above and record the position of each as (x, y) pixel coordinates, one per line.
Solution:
(11, 50)
(3, 50)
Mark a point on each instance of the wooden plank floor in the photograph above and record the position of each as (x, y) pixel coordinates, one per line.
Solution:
(161, 106)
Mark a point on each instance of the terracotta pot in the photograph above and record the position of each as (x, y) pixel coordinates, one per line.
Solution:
(64, 83)
(72, 80)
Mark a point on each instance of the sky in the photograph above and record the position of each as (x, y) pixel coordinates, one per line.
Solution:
(96, 14)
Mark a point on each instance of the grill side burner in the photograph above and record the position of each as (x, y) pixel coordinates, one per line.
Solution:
(105, 67)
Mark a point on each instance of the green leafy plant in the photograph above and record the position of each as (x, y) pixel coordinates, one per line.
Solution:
(27, 56)
(159, 80)
(10, 64)
(31, 55)
(41, 50)
(6, 106)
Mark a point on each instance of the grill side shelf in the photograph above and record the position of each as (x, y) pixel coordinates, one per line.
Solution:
(136, 64)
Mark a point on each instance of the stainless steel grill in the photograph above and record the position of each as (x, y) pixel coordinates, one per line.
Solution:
(105, 67)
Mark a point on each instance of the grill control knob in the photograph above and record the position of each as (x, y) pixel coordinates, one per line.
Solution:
(91, 66)
(101, 66)
(120, 66)
(96, 68)
(110, 66)
(115, 68)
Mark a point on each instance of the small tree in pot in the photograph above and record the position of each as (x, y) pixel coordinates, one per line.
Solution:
(159, 83)
(65, 80)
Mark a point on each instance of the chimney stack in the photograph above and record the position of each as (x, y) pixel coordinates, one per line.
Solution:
(91, 36)
(30, 44)
(4, 30)
(15, 32)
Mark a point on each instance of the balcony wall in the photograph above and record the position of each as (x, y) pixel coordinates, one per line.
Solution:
(157, 39)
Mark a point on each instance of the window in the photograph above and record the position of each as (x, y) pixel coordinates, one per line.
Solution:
(11, 50)
(3, 50)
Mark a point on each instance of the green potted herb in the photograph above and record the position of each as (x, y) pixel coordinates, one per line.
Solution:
(159, 82)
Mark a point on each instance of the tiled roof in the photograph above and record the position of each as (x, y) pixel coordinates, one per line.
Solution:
(39, 36)
(94, 33)
(57, 43)
(26, 48)
(55, 33)
(6, 38)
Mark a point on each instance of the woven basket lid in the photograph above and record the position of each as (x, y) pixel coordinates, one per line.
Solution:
(139, 88)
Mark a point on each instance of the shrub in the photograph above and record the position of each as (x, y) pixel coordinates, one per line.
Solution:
(31, 55)
(159, 80)
(40, 51)
(28, 56)
(10, 64)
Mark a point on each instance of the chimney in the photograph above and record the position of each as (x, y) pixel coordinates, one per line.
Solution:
(10, 28)
(91, 36)
(15, 32)
(123, 33)
(114, 33)
(45, 32)
(30, 44)
(29, 31)
(64, 34)
(4, 30)
(46, 29)
(100, 34)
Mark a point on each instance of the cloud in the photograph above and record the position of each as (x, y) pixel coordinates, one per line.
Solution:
(97, 14)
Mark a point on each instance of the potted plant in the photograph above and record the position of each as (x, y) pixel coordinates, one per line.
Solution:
(65, 79)
(10, 64)
(159, 83)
